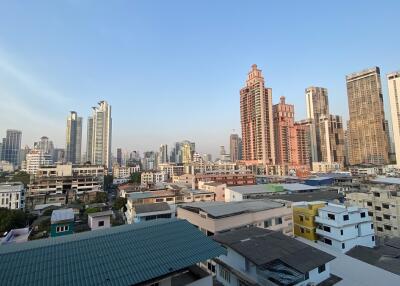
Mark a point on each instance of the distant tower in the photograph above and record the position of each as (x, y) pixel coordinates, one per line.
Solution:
(99, 135)
(235, 147)
(119, 156)
(256, 119)
(163, 156)
(73, 138)
(394, 100)
(11, 147)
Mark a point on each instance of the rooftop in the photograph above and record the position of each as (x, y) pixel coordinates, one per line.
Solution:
(100, 214)
(386, 180)
(222, 209)
(265, 188)
(309, 196)
(262, 246)
(150, 194)
(11, 187)
(109, 256)
(62, 215)
(149, 208)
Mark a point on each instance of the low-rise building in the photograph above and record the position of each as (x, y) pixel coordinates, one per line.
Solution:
(62, 222)
(163, 252)
(217, 217)
(172, 169)
(217, 188)
(304, 214)
(100, 220)
(6, 166)
(18, 235)
(186, 179)
(383, 206)
(12, 195)
(229, 178)
(65, 183)
(325, 167)
(124, 172)
(258, 256)
(344, 227)
(151, 178)
(145, 212)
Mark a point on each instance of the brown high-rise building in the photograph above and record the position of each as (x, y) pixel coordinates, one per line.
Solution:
(302, 154)
(317, 106)
(284, 132)
(256, 119)
(332, 139)
(368, 137)
(235, 146)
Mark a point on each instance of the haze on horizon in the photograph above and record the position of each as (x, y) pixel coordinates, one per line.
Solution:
(172, 70)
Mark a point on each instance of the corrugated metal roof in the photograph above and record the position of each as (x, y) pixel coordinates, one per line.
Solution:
(148, 208)
(61, 215)
(123, 255)
(255, 189)
(384, 180)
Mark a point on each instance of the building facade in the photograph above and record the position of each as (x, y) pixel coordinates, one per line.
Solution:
(256, 119)
(73, 140)
(394, 100)
(332, 141)
(36, 159)
(368, 139)
(11, 147)
(235, 146)
(304, 214)
(301, 154)
(12, 196)
(317, 105)
(163, 154)
(99, 135)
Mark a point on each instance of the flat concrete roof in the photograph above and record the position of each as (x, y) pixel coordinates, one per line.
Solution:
(386, 180)
(263, 188)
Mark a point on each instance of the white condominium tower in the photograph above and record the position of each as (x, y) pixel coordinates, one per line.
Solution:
(99, 135)
(394, 98)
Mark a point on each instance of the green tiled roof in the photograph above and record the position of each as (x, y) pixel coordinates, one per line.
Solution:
(123, 255)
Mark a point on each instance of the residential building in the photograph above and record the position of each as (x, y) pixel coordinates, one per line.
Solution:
(12, 195)
(6, 166)
(344, 227)
(217, 188)
(11, 147)
(172, 169)
(229, 178)
(258, 256)
(163, 155)
(217, 217)
(119, 156)
(383, 206)
(17, 235)
(283, 118)
(124, 172)
(35, 159)
(332, 139)
(99, 138)
(394, 98)
(62, 222)
(100, 220)
(256, 119)
(235, 147)
(301, 154)
(45, 145)
(73, 140)
(64, 183)
(150, 161)
(317, 106)
(163, 252)
(368, 139)
(304, 214)
(185, 179)
(145, 212)
(152, 178)
(187, 150)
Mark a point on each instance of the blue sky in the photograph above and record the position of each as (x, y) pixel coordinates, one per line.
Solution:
(172, 70)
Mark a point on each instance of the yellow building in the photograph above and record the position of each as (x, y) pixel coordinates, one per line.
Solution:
(304, 219)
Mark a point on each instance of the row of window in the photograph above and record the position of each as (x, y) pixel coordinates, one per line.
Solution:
(63, 228)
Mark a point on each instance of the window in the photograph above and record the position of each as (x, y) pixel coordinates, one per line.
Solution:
(377, 194)
(327, 229)
(341, 232)
(306, 276)
(378, 218)
(385, 216)
(362, 214)
(343, 246)
(100, 223)
(301, 218)
(159, 200)
(302, 230)
(331, 216)
(387, 227)
(369, 204)
(268, 223)
(377, 208)
(373, 238)
(225, 274)
(370, 214)
(321, 268)
(346, 217)
(328, 241)
(278, 220)
(372, 226)
(385, 206)
(379, 229)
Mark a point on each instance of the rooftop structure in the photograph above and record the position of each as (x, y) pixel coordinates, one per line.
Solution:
(160, 250)
(16, 236)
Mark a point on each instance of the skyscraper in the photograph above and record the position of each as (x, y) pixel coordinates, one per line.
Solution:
(45, 145)
(187, 149)
(119, 156)
(73, 138)
(163, 156)
(89, 139)
(99, 139)
(11, 148)
(394, 100)
(235, 147)
(301, 153)
(368, 139)
(256, 119)
(332, 139)
(317, 105)
(283, 115)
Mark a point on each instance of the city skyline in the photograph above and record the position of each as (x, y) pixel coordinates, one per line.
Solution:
(73, 78)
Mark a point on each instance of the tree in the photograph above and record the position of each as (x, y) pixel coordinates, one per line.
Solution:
(136, 177)
(92, 210)
(10, 219)
(101, 197)
(120, 203)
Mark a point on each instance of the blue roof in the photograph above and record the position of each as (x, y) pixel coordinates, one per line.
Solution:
(123, 255)
(387, 180)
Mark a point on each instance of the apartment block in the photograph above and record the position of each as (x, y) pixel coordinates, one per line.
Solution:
(383, 206)
(393, 80)
(332, 139)
(343, 227)
(12, 195)
(304, 214)
(152, 178)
